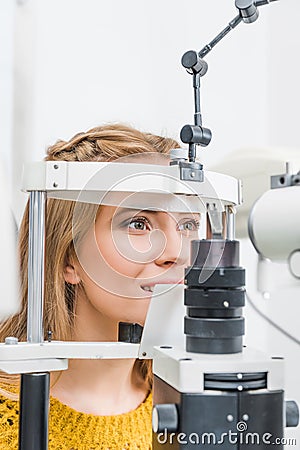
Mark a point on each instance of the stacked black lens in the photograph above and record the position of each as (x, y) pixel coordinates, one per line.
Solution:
(214, 298)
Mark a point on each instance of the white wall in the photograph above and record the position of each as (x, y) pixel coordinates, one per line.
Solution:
(6, 81)
(283, 72)
(79, 63)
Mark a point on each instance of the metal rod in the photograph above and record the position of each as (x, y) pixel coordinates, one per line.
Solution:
(230, 223)
(192, 152)
(205, 50)
(36, 243)
(197, 103)
(232, 24)
(263, 2)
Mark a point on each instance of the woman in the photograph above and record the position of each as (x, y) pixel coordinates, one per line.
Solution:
(92, 282)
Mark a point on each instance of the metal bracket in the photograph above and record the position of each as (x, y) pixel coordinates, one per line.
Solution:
(191, 171)
(285, 180)
(215, 218)
(56, 175)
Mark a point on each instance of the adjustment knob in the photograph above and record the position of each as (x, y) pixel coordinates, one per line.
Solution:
(193, 63)
(291, 413)
(164, 417)
(195, 134)
(248, 10)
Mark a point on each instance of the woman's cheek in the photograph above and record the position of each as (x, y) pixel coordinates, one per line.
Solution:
(116, 307)
(139, 248)
(119, 259)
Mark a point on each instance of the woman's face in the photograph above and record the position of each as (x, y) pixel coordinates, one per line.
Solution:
(127, 253)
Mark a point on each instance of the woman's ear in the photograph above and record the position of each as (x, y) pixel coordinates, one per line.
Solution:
(70, 275)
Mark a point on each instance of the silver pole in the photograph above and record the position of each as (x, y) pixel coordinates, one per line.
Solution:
(36, 263)
(230, 223)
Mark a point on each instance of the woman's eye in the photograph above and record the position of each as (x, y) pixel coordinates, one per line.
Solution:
(190, 225)
(139, 224)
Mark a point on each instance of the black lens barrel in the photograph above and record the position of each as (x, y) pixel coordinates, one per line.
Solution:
(214, 298)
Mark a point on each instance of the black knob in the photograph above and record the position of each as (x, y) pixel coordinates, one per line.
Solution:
(164, 417)
(193, 63)
(291, 413)
(195, 134)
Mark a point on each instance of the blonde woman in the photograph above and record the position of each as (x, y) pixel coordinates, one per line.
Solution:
(98, 404)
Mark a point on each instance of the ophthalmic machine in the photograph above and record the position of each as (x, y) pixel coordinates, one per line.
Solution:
(215, 392)
(208, 389)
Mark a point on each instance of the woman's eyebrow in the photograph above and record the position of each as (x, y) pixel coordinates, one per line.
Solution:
(135, 211)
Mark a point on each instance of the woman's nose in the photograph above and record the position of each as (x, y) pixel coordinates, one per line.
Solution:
(175, 249)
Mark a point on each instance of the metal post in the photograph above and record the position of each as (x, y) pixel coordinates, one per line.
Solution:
(230, 223)
(34, 395)
(36, 264)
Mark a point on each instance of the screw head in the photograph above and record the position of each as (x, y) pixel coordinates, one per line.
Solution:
(11, 340)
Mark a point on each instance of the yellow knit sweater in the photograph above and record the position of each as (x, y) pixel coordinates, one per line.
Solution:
(73, 430)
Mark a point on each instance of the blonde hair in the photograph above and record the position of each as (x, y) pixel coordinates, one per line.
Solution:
(106, 143)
